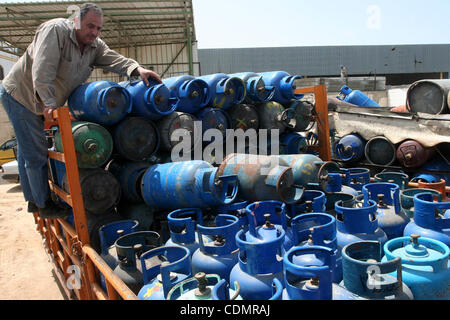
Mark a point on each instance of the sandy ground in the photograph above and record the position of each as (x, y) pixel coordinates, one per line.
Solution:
(25, 268)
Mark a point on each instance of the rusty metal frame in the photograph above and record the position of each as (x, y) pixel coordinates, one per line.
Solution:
(323, 127)
(70, 246)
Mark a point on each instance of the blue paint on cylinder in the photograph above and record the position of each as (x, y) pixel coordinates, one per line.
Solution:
(312, 201)
(335, 185)
(187, 93)
(224, 90)
(214, 118)
(108, 234)
(426, 222)
(355, 178)
(350, 148)
(182, 225)
(292, 143)
(129, 248)
(237, 209)
(312, 281)
(316, 229)
(160, 278)
(356, 97)
(391, 217)
(187, 184)
(264, 217)
(220, 255)
(407, 199)
(438, 164)
(366, 276)
(284, 85)
(399, 178)
(102, 102)
(257, 90)
(152, 102)
(425, 265)
(258, 265)
(358, 224)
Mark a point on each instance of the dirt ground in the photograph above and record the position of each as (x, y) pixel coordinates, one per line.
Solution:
(25, 268)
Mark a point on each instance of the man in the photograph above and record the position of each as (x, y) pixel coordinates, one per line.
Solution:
(60, 58)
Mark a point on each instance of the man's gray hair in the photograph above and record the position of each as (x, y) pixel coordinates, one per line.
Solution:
(86, 7)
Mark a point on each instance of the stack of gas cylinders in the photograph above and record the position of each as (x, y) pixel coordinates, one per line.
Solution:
(431, 164)
(253, 226)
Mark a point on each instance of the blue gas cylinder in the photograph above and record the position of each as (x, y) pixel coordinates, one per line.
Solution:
(259, 263)
(187, 93)
(312, 281)
(257, 89)
(356, 97)
(399, 178)
(438, 163)
(335, 184)
(429, 220)
(109, 233)
(203, 287)
(358, 224)
(425, 265)
(355, 178)
(312, 201)
(224, 90)
(237, 209)
(391, 217)
(407, 199)
(284, 85)
(102, 102)
(292, 143)
(220, 255)
(350, 148)
(187, 184)
(316, 229)
(129, 248)
(214, 118)
(162, 268)
(348, 201)
(367, 276)
(264, 217)
(152, 102)
(182, 225)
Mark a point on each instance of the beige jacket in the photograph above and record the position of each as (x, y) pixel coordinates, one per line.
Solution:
(53, 66)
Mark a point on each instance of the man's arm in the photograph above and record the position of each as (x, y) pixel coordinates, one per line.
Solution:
(46, 57)
(112, 61)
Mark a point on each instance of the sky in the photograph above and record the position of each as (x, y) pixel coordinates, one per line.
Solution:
(287, 23)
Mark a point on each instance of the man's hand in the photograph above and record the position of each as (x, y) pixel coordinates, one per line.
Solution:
(145, 74)
(48, 113)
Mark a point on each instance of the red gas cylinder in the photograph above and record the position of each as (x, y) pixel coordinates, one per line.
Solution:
(439, 186)
(411, 154)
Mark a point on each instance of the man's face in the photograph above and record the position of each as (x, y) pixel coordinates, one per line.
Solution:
(90, 28)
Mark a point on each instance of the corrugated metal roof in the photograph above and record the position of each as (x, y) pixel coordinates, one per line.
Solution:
(326, 60)
(125, 23)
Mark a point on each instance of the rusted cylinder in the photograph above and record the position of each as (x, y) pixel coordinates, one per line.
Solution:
(428, 96)
(438, 186)
(411, 154)
(262, 178)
